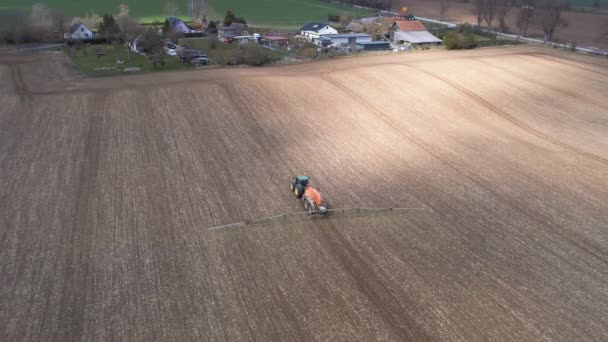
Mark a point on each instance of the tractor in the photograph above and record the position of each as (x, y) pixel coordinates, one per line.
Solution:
(313, 201)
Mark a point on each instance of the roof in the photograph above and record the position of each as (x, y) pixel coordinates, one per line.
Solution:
(410, 25)
(346, 35)
(275, 38)
(76, 25)
(353, 26)
(416, 37)
(375, 42)
(368, 20)
(313, 27)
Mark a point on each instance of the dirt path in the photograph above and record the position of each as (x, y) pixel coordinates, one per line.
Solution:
(108, 187)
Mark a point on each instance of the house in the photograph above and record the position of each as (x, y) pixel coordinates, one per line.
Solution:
(226, 34)
(411, 31)
(313, 31)
(374, 45)
(178, 26)
(79, 31)
(347, 38)
(275, 41)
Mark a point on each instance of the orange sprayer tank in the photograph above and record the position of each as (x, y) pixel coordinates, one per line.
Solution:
(313, 194)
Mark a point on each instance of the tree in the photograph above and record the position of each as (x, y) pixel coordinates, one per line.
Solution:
(480, 10)
(229, 18)
(212, 27)
(377, 29)
(109, 28)
(502, 8)
(490, 11)
(550, 17)
(59, 21)
(232, 18)
(526, 13)
(152, 43)
(461, 39)
(92, 20)
(443, 9)
(596, 3)
(170, 9)
(129, 29)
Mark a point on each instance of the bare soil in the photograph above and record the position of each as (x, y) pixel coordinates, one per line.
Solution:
(108, 186)
(585, 29)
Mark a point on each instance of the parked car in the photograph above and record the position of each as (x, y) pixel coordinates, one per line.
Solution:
(193, 56)
(201, 59)
(170, 49)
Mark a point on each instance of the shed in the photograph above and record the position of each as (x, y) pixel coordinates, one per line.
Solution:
(374, 45)
(274, 40)
(348, 38)
(416, 37)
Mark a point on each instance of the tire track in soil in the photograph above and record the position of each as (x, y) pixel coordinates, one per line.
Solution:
(549, 58)
(77, 260)
(370, 285)
(509, 117)
(554, 88)
(591, 249)
(21, 88)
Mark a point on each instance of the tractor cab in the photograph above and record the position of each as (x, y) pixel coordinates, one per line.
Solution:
(299, 185)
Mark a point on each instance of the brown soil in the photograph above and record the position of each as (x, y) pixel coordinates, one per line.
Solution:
(586, 29)
(108, 186)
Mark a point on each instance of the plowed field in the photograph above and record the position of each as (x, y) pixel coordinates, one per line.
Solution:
(108, 188)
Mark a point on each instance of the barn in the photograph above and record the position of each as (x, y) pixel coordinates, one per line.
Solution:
(348, 38)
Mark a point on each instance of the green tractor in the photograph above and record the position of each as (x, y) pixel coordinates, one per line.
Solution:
(299, 185)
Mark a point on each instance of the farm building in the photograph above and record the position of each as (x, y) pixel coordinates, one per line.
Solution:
(227, 33)
(369, 20)
(275, 41)
(79, 31)
(411, 31)
(178, 26)
(416, 38)
(374, 45)
(313, 31)
(348, 38)
(354, 26)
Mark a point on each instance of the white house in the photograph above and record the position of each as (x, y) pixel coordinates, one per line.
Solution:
(79, 31)
(313, 31)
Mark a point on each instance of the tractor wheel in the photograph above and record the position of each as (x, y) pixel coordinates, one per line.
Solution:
(299, 191)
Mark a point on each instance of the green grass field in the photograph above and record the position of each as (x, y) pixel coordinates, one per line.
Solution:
(92, 65)
(266, 13)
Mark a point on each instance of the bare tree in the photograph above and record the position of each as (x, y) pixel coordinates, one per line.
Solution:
(152, 43)
(526, 13)
(443, 9)
(480, 10)
(502, 9)
(129, 29)
(490, 12)
(550, 17)
(60, 21)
